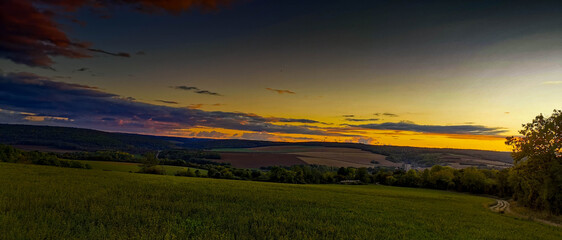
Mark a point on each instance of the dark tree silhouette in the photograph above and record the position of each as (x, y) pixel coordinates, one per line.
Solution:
(537, 176)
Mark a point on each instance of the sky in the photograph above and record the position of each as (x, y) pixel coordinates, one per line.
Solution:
(447, 74)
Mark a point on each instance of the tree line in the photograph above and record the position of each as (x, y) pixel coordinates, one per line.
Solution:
(473, 180)
(13, 155)
(177, 157)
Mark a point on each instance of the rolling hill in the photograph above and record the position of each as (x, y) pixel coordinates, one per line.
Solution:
(47, 138)
(42, 202)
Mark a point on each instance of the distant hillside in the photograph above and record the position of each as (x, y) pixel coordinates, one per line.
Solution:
(78, 138)
(423, 156)
(91, 140)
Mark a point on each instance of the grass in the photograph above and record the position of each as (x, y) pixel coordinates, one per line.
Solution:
(42, 202)
(526, 212)
(133, 167)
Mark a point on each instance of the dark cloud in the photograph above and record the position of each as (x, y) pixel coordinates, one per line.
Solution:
(119, 54)
(260, 136)
(280, 91)
(294, 120)
(390, 114)
(209, 134)
(444, 129)
(81, 69)
(30, 35)
(141, 53)
(168, 102)
(87, 106)
(386, 114)
(196, 90)
(207, 92)
(172, 6)
(362, 140)
(361, 119)
(263, 136)
(348, 116)
(187, 88)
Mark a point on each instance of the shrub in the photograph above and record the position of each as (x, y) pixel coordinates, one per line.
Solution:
(152, 170)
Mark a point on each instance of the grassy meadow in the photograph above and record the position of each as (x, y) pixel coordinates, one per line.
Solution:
(133, 167)
(43, 202)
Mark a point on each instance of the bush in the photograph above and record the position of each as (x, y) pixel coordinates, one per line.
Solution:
(186, 173)
(152, 170)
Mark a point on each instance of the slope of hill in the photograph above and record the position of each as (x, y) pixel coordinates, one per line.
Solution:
(41, 202)
(360, 156)
(78, 138)
(422, 157)
(91, 140)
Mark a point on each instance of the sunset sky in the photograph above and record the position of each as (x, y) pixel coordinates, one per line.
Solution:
(458, 74)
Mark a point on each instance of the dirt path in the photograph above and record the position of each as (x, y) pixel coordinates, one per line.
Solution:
(502, 206)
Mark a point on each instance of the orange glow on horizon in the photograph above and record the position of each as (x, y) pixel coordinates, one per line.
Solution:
(373, 137)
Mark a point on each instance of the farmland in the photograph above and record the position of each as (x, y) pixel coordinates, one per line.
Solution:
(58, 203)
(345, 157)
(257, 159)
(300, 155)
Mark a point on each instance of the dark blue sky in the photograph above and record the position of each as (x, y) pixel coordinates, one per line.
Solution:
(339, 24)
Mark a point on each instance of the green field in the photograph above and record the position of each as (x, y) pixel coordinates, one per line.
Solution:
(133, 167)
(43, 202)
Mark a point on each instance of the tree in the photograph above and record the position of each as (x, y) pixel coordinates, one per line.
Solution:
(362, 175)
(441, 177)
(213, 172)
(226, 173)
(536, 178)
(410, 179)
(150, 160)
(473, 180)
(150, 164)
(504, 189)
